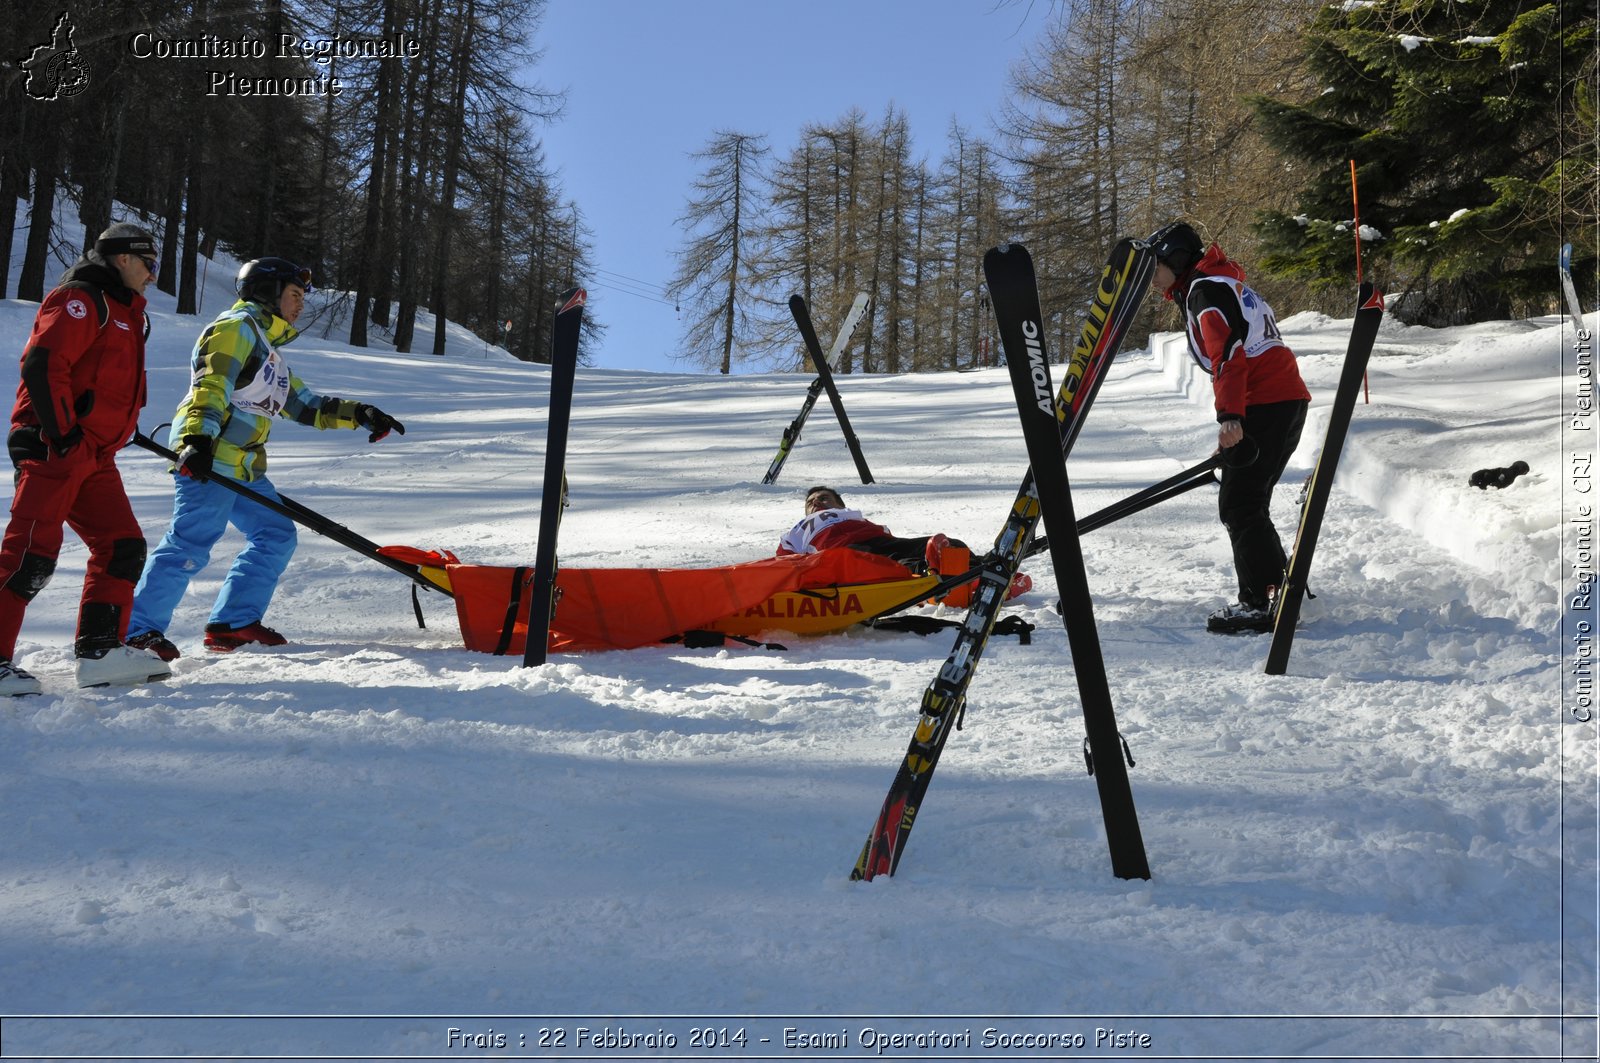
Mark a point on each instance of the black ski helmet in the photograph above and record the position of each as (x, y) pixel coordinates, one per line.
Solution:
(262, 280)
(1177, 246)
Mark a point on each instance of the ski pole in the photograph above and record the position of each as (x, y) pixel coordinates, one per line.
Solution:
(307, 517)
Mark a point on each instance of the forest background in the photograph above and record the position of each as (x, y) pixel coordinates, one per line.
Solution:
(1472, 125)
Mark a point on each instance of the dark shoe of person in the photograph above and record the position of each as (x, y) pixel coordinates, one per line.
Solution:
(1241, 619)
(15, 681)
(225, 638)
(156, 643)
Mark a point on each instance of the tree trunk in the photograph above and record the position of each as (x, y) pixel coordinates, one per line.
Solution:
(375, 190)
(271, 117)
(497, 224)
(188, 300)
(172, 218)
(13, 183)
(414, 175)
(382, 311)
(41, 216)
(100, 183)
(733, 264)
(452, 171)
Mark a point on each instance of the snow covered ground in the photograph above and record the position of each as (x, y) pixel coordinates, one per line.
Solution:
(1387, 853)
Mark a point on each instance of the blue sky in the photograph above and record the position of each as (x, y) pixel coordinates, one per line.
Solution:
(649, 82)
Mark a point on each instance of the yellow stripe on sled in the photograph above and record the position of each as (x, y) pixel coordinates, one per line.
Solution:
(823, 609)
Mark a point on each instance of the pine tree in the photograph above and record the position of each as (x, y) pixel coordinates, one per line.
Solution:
(1459, 117)
(713, 276)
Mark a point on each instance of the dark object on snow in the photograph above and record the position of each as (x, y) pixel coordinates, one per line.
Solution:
(1484, 479)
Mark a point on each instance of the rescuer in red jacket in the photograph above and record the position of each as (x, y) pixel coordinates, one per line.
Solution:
(78, 402)
(1259, 393)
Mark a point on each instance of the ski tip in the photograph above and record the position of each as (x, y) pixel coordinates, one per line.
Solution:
(864, 870)
(572, 298)
(797, 301)
(874, 859)
(1010, 248)
(1373, 298)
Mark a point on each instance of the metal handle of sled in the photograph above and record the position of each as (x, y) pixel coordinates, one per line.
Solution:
(1179, 483)
(306, 517)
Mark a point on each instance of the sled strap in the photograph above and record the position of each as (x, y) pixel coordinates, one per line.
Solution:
(917, 625)
(519, 578)
(929, 625)
(1015, 625)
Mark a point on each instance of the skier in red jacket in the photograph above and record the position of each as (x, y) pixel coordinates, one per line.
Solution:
(78, 402)
(1259, 393)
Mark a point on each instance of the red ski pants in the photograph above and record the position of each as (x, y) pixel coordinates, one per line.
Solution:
(83, 491)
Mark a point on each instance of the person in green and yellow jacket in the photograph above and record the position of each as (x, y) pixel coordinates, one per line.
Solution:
(241, 384)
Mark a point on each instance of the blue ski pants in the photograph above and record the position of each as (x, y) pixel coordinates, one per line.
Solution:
(201, 513)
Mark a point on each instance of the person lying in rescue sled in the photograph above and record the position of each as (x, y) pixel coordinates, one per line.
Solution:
(241, 383)
(828, 523)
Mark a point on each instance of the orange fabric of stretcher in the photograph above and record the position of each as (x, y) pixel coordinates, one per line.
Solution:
(622, 608)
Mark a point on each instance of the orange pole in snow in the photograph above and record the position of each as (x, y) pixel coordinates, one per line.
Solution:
(1355, 203)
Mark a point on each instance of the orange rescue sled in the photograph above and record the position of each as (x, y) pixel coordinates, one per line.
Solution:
(623, 608)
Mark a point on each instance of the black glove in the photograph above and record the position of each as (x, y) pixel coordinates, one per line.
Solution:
(194, 460)
(377, 422)
(67, 443)
(26, 443)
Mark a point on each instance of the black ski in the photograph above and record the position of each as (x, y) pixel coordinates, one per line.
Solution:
(1013, 290)
(1121, 290)
(791, 434)
(563, 370)
(1369, 313)
(802, 318)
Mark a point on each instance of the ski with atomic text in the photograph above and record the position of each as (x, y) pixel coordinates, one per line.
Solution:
(1122, 285)
(1014, 291)
(791, 434)
(563, 371)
